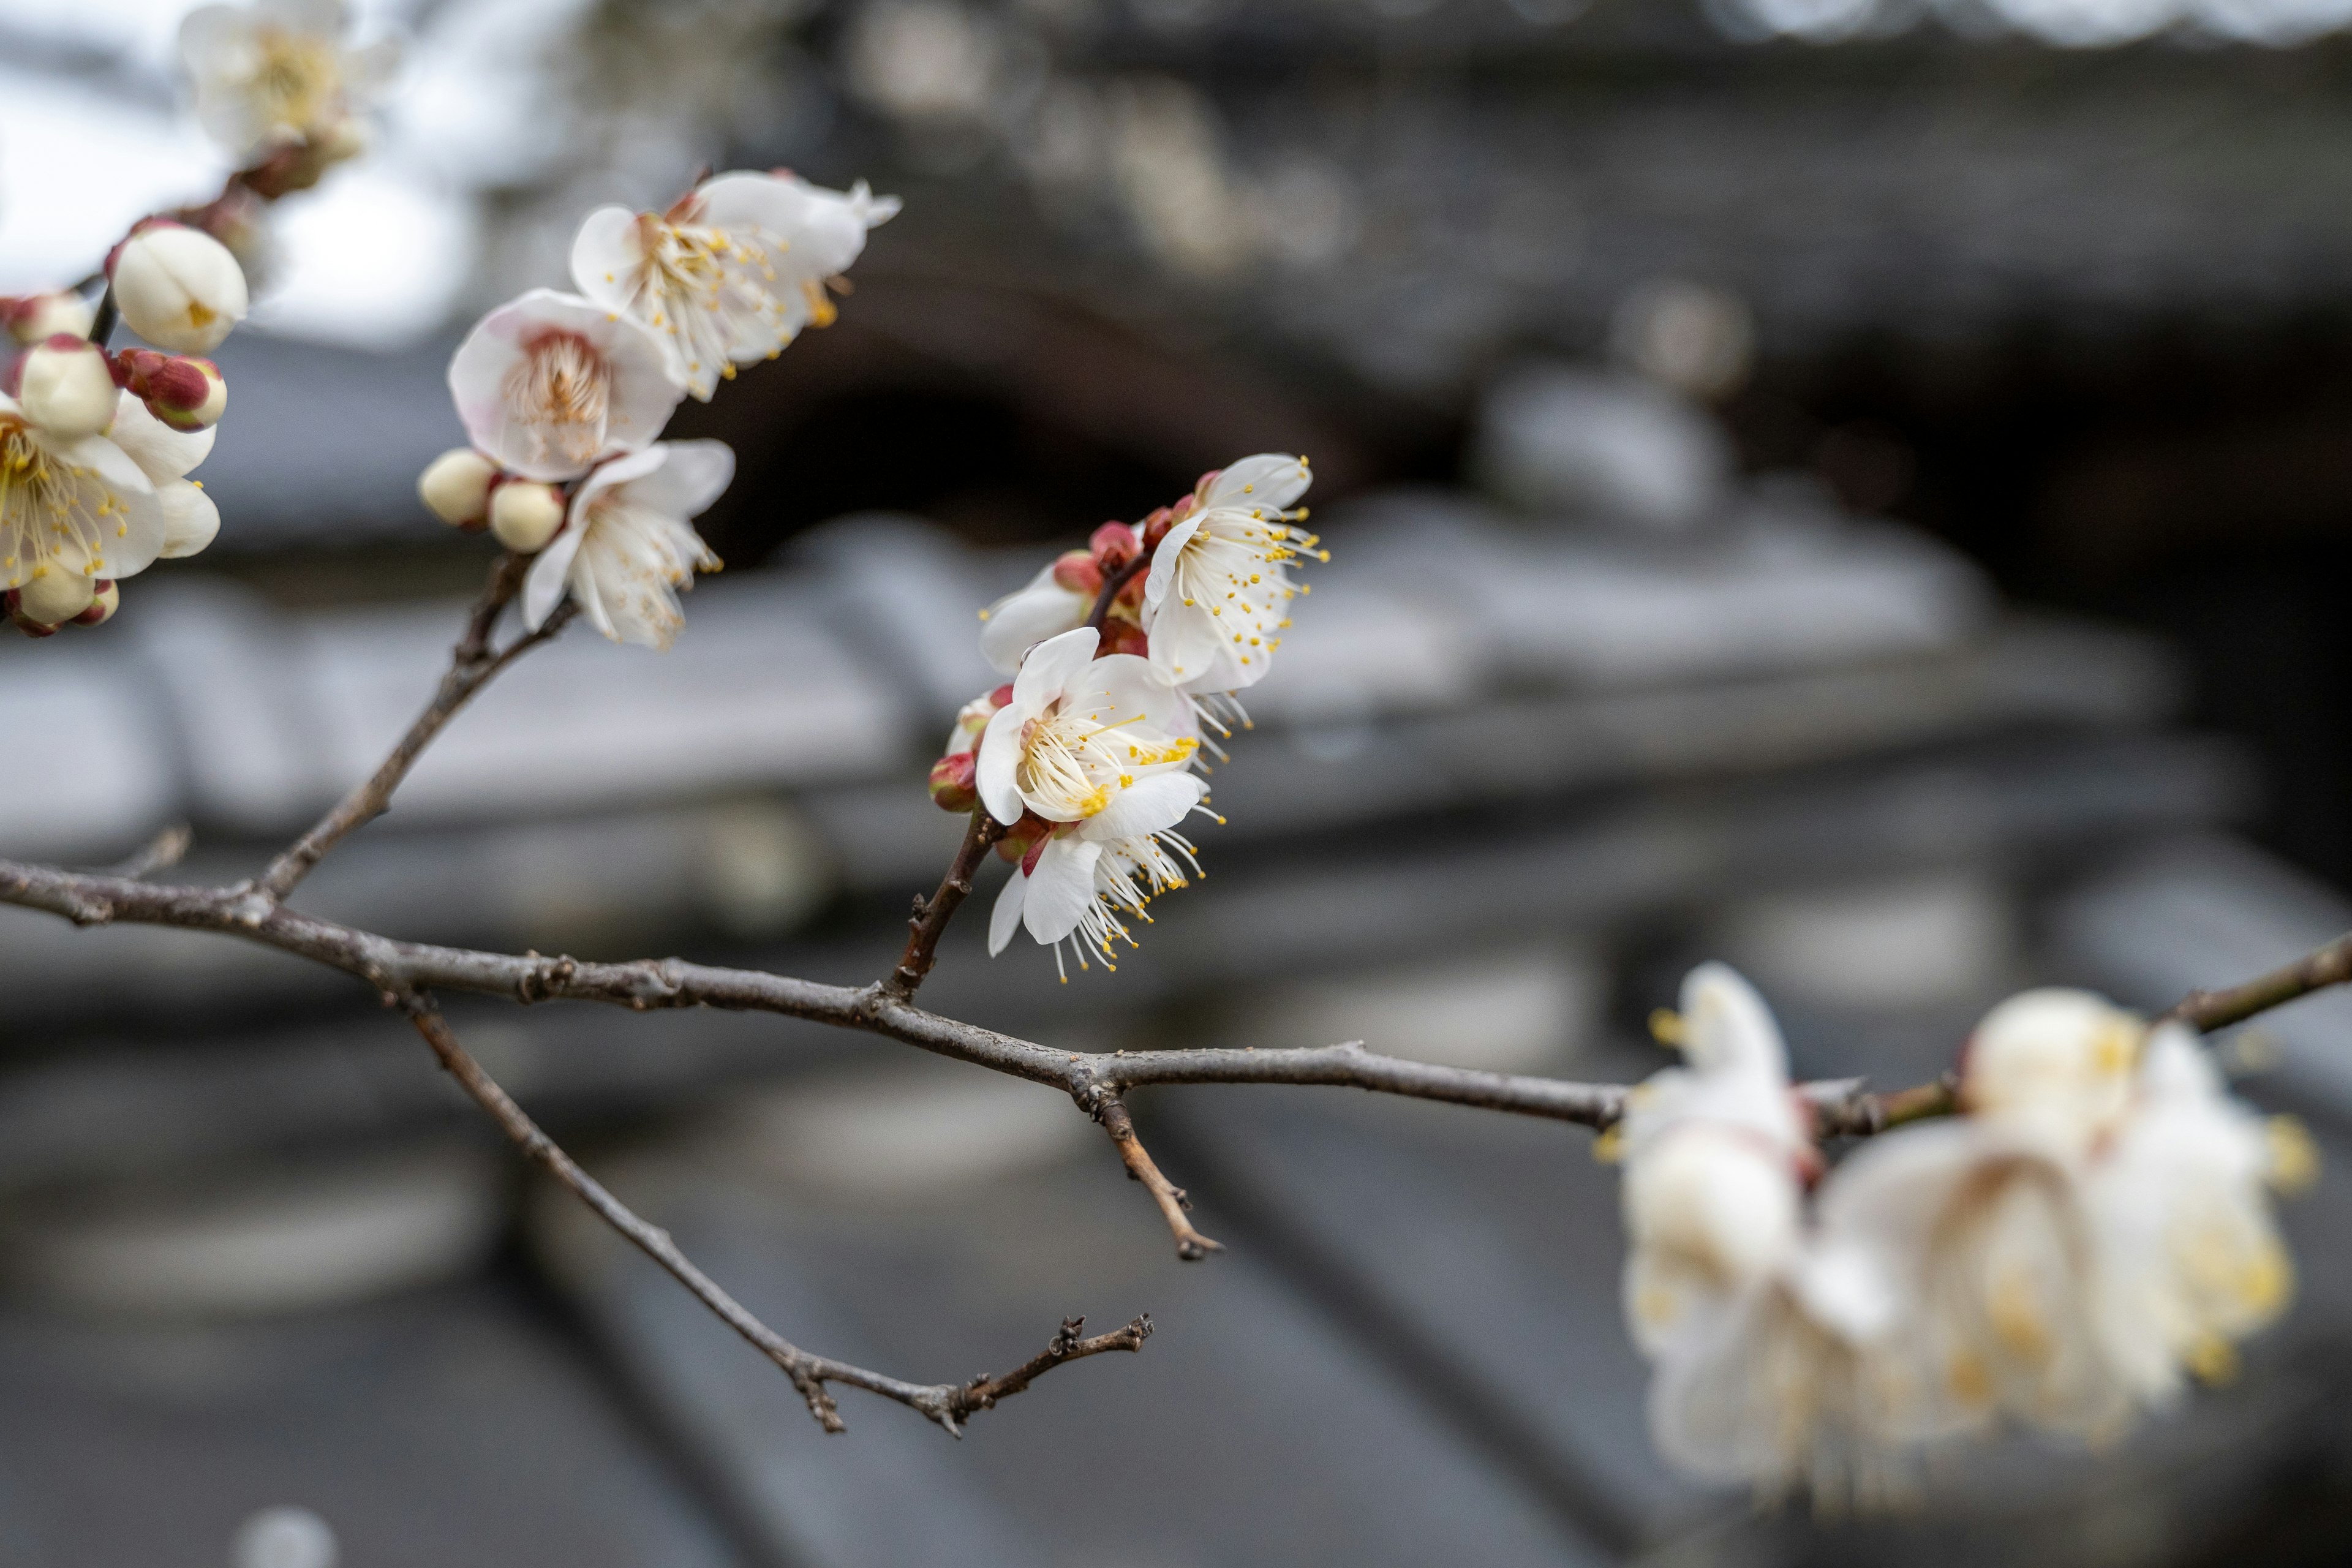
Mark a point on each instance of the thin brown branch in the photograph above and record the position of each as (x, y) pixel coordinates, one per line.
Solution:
(473, 664)
(1191, 1245)
(945, 1402)
(931, 915)
(1111, 588)
(2316, 971)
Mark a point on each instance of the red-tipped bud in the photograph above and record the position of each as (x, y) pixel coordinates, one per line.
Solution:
(12, 606)
(1122, 636)
(102, 605)
(64, 386)
(183, 392)
(954, 786)
(971, 719)
(1075, 570)
(1115, 545)
(1156, 526)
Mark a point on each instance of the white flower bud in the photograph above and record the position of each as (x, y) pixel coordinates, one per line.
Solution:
(36, 318)
(102, 604)
(455, 486)
(191, 521)
(51, 598)
(65, 387)
(2064, 1058)
(525, 516)
(178, 288)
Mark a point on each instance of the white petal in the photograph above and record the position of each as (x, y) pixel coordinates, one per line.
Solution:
(162, 453)
(1061, 889)
(607, 255)
(1147, 805)
(544, 585)
(691, 476)
(1269, 482)
(1000, 759)
(1163, 570)
(1191, 649)
(1120, 688)
(1019, 620)
(1005, 917)
(1052, 667)
(191, 521)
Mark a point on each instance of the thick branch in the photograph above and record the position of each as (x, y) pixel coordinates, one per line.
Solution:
(931, 915)
(1191, 1245)
(945, 1402)
(472, 666)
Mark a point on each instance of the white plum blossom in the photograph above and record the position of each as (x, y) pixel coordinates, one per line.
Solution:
(1764, 1337)
(1078, 733)
(1044, 606)
(732, 272)
(278, 73)
(74, 506)
(549, 384)
(1216, 599)
(628, 545)
(1079, 881)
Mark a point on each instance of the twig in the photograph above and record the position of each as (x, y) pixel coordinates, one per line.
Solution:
(472, 666)
(2314, 971)
(945, 1402)
(931, 915)
(163, 852)
(1111, 586)
(1191, 1245)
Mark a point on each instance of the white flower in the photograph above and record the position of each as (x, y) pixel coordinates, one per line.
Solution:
(629, 546)
(276, 72)
(1215, 600)
(177, 286)
(1043, 607)
(549, 384)
(2062, 1061)
(1768, 1340)
(730, 274)
(75, 505)
(1079, 879)
(2190, 1256)
(1078, 733)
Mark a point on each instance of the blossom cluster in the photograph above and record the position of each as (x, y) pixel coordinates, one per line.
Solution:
(564, 395)
(2093, 1230)
(1124, 657)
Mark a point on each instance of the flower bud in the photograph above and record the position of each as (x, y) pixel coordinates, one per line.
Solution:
(972, 717)
(176, 286)
(52, 598)
(36, 318)
(1023, 839)
(186, 393)
(102, 604)
(1156, 526)
(525, 515)
(64, 386)
(456, 487)
(1075, 570)
(954, 782)
(1114, 545)
(191, 521)
(1121, 634)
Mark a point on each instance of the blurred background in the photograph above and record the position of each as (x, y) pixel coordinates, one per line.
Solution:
(1856, 487)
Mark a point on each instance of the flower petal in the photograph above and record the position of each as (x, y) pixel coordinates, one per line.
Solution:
(1061, 889)
(606, 256)
(1005, 919)
(1000, 759)
(544, 585)
(1147, 805)
(1051, 668)
(1269, 482)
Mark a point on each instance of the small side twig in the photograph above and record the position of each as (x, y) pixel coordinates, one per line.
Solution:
(931, 915)
(947, 1404)
(163, 852)
(1191, 1245)
(2316, 971)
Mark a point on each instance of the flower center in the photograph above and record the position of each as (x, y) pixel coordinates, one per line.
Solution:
(1071, 761)
(1235, 567)
(51, 512)
(562, 391)
(295, 77)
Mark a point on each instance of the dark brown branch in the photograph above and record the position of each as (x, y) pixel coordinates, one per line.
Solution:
(473, 664)
(1191, 1245)
(945, 1402)
(1111, 586)
(931, 915)
(2209, 1010)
